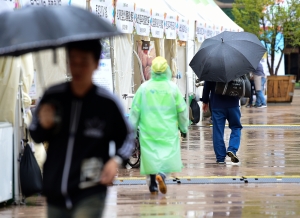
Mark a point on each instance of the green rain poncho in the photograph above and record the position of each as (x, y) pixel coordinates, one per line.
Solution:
(159, 110)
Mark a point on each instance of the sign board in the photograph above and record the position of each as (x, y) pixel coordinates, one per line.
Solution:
(124, 16)
(103, 75)
(200, 31)
(142, 21)
(209, 30)
(157, 24)
(103, 9)
(183, 29)
(171, 26)
(33, 91)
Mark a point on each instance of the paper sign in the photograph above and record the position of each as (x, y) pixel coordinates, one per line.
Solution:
(103, 75)
(217, 29)
(209, 30)
(157, 24)
(32, 91)
(142, 21)
(200, 31)
(103, 9)
(183, 29)
(124, 16)
(44, 2)
(171, 26)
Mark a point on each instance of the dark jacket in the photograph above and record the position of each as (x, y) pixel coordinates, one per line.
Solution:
(217, 101)
(89, 128)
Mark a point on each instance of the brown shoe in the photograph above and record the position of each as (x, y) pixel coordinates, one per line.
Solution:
(160, 178)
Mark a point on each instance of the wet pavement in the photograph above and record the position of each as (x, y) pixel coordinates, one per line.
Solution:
(270, 146)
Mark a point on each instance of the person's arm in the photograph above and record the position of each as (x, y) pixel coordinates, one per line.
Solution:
(205, 96)
(44, 121)
(182, 112)
(135, 111)
(121, 144)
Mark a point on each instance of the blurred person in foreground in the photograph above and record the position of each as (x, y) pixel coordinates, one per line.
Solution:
(159, 110)
(223, 108)
(87, 134)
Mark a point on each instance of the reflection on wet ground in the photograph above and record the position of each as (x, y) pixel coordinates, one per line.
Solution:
(265, 151)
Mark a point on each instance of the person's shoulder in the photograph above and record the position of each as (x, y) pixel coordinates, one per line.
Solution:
(57, 89)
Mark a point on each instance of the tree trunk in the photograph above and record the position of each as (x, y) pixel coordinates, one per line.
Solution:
(279, 62)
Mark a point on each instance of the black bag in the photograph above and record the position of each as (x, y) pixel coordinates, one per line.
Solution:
(30, 173)
(240, 87)
(195, 111)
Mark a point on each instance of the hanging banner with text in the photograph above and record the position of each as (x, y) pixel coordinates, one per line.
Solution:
(183, 29)
(142, 20)
(157, 24)
(44, 2)
(124, 16)
(103, 9)
(217, 29)
(200, 31)
(171, 26)
(209, 30)
(103, 75)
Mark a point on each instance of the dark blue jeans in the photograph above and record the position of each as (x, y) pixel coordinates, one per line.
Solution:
(220, 115)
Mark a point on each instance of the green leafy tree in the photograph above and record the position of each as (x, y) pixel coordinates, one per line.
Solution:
(270, 21)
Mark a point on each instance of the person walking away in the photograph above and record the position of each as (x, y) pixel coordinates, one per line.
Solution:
(159, 110)
(87, 134)
(251, 79)
(260, 80)
(223, 108)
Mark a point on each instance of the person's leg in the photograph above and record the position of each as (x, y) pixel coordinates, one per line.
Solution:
(252, 92)
(234, 120)
(258, 98)
(58, 212)
(90, 207)
(152, 184)
(219, 120)
(161, 178)
(262, 94)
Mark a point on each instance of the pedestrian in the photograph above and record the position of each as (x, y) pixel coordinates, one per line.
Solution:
(87, 134)
(251, 79)
(159, 110)
(223, 108)
(260, 80)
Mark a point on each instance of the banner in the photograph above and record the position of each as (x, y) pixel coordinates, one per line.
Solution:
(103, 9)
(183, 29)
(200, 31)
(217, 29)
(142, 21)
(124, 16)
(103, 74)
(157, 24)
(170, 26)
(209, 30)
(43, 2)
(32, 91)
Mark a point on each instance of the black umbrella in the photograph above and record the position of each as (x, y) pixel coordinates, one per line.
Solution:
(227, 56)
(36, 28)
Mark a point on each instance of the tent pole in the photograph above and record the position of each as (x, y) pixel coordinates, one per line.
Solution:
(88, 4)
(112, 56)
(132, 64)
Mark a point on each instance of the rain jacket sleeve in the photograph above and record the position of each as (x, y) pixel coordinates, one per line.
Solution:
(181, 107)
(135, 111)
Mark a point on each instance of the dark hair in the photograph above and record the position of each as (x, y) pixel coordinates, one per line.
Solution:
(92, 46)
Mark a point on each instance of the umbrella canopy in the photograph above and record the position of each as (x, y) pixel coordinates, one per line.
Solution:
(36, 28)
(227, 56)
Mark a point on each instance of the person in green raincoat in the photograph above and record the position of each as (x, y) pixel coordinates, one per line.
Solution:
(159, 110)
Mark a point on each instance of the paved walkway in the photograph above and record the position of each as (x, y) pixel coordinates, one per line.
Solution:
(270, 147)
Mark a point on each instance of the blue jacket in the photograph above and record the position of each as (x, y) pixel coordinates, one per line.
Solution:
(217, 101)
